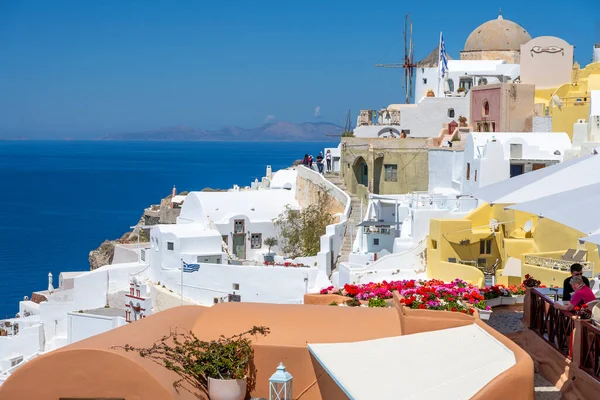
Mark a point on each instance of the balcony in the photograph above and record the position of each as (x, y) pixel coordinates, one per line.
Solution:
(557, 264)
(375, 117)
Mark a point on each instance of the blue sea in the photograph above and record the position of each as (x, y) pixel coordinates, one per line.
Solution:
(61, 199)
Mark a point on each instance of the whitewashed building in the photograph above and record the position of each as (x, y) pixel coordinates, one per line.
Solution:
(244, 219)
(491, 157)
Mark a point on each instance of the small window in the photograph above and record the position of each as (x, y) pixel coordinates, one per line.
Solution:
(238, 226)
(535, 167)
(236, 286)
(256, 241)
(451, 113)
(424, 80)
(468, 171)
(215, 300)
(170, 246)
(391, 173)
(485, 246)
(475, 176)
(434, 244)
(376, 242)
(486, 108)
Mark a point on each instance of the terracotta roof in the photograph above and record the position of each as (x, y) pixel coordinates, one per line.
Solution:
(432, 60)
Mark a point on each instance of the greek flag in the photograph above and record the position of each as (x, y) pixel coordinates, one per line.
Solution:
(443, 61)
(190, 267)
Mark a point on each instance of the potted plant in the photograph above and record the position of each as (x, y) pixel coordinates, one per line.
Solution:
(461, 90)
(219, 368)
(270, 242)
(484, 310)
(491, 295)
(518, 292)
(462, 120)
(430, 93)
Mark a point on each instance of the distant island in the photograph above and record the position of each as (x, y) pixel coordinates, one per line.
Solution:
(270, 132)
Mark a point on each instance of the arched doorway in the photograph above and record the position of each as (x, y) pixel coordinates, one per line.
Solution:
(389, 133)
(361, 172)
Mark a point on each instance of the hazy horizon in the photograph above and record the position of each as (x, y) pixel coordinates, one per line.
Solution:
(88, 68)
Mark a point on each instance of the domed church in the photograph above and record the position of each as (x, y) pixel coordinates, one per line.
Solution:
(498, 39)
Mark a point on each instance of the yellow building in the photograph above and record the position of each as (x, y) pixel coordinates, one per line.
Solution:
(509, 227)
(464, 248)
(571, 100)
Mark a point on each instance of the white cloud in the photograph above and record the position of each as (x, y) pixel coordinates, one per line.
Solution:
(317, 111)
(269, 118)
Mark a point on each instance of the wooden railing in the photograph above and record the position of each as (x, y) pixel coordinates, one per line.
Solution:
(590, 349)
(551, 324)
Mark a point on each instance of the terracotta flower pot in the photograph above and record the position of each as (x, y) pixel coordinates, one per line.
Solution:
(227, 389)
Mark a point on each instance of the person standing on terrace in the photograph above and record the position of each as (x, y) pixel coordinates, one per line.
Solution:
(576, 270)
(582, 295)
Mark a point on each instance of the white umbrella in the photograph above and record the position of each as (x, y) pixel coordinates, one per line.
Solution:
(577, 208)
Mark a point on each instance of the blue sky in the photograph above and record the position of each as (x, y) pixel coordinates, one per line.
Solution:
(83, 68)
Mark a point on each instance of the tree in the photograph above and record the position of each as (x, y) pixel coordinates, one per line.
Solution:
(300, 231)
(270, 241)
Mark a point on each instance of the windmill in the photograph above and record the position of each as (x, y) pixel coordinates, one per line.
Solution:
(408, 65)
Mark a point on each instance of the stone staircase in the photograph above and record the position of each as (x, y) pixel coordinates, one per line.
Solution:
(355, 218)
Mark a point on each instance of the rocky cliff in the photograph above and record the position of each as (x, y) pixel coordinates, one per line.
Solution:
(153, 215)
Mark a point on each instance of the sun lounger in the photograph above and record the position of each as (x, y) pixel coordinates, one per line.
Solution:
(579, 256)
(568, 256)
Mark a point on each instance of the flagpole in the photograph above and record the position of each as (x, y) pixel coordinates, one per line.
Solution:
(439, 65)
(181, 290)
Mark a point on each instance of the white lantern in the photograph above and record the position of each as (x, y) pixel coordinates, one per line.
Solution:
(280, 384)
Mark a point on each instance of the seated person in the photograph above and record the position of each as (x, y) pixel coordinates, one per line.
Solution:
(582, 295)
(576, 270)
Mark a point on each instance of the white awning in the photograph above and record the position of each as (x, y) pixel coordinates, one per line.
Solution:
(576, 208)
(446, 364)
(547, 181)
(512, 267)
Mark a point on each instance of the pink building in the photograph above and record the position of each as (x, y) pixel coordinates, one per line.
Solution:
(502, 107)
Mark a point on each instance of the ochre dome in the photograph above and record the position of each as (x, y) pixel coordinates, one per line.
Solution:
(497, 35)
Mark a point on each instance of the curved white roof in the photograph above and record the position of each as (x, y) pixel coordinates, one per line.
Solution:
(465, 359)
(221, 207)
(284, 179)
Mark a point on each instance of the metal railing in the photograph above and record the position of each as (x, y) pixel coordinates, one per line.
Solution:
(551, 324)
(589, 360)
(557, 264)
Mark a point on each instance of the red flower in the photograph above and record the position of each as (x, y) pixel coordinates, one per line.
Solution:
(422, 306)
(453, 309)
(584, 306)
(576, 308)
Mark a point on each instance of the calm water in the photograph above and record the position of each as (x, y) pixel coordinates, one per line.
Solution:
(59, 200)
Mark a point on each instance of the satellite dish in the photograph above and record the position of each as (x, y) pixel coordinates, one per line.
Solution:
(528, 225)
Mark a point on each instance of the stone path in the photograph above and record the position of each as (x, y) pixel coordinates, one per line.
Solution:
(354, 219)
(509, 319)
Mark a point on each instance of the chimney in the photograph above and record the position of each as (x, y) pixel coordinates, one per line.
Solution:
(596, 56)
(173, 194)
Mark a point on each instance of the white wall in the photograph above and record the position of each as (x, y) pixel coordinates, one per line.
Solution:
(82, 326)
(396, 266)
(256, 283)
(445, 169)
(462, 68)
(27, 342)
(427, 118)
